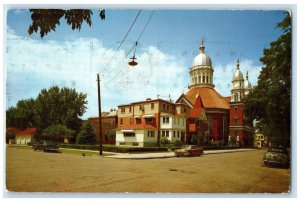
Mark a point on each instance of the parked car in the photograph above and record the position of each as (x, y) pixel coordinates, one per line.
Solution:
(277, 157)
(189, 150)
(46, 146)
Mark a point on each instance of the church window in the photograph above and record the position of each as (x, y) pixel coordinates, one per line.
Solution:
(235, 119)
(203, 78)
(236, 97)
(235, 109)
(206, 79)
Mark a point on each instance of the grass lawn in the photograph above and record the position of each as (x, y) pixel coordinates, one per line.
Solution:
(65, 151)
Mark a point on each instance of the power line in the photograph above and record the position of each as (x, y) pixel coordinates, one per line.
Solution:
(125, 36)
(132, 47)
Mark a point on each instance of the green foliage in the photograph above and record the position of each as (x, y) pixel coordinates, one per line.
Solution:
(87, 134)
(197, 140)
(113, 148)
(164, 141)
(57, 133)
(45, 20)
(270, 101)
(22, 116)
(60, 106)
(10, 135)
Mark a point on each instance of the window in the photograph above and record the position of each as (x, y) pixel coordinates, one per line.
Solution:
(135, 144)
(142, 107)
(167, 133)
(184, 110)
(167, 107)
(174, 134)
(198, 123)
(235, 120)
(235, 109)
(152, 105)
(166, 119)
(122, 110)
(150, 133)
(149, 120)
(129, 109)
(112, 122)
(129, 134)
(131, 121)
(164, 106)
(236, 97)
(178, 134)
(121, 121)
(138, 120)
(163, 133)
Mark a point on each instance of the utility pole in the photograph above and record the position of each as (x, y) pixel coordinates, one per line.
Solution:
(100, 120)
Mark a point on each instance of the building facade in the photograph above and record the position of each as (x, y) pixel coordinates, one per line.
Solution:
(109, 124)
(22, 137)
(214, 118)
(148, 122)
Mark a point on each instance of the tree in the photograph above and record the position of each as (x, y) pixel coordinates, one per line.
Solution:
(60, 106)
(45, 20)
(87, 134)
(270, 101)
(22, 116)
(10, 135)
(57, 133)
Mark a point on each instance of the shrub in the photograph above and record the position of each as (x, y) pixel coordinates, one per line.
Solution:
(113, 148)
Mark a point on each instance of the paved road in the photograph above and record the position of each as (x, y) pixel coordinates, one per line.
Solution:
(239, 172)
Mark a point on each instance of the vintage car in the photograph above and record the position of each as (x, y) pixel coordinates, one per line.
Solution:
(46, 146)
(189, 150)
(278, 157)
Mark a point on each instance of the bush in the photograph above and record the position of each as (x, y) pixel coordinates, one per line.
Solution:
(113, 148)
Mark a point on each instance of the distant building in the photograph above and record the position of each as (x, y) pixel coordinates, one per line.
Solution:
(109, 124)
(23, 137)
(146, 123)
(260, 140)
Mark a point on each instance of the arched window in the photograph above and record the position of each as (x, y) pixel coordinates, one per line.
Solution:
(236, 97)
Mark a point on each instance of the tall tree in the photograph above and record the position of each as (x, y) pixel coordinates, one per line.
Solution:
(22, 116)
(87, 134)
(270, 101)
(46, 20)
(60, 106)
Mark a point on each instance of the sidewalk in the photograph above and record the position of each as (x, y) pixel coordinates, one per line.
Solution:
(168, 154)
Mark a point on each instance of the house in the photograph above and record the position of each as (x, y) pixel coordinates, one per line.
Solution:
(147, 122)
(260, 140)
(23, 137)
(109, 124)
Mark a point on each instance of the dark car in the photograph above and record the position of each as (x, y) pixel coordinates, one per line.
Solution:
(189, 150)
(46, 146)
(278, 157)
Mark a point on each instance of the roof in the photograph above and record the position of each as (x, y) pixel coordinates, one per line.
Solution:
(28, 131)
(147, 100)
(210, 98)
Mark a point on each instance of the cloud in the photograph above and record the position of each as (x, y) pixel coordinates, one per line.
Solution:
(36, 64)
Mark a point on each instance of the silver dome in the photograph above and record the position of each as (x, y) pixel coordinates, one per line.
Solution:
(202, 60)
(237, 74)
(247, 84)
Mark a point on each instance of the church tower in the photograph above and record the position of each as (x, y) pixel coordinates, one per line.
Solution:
(247, 85)
(201, 72)
(240, 131)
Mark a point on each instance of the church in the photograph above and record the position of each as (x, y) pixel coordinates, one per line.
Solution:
(214, 118)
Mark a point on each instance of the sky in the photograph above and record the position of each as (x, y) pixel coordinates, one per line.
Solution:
(164, 53)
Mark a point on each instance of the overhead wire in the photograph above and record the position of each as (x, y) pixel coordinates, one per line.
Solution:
(124, 38)
(134, 46)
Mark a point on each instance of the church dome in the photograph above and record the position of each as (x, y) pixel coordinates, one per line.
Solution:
(202, 59)
(247, 84)
(237, 74)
